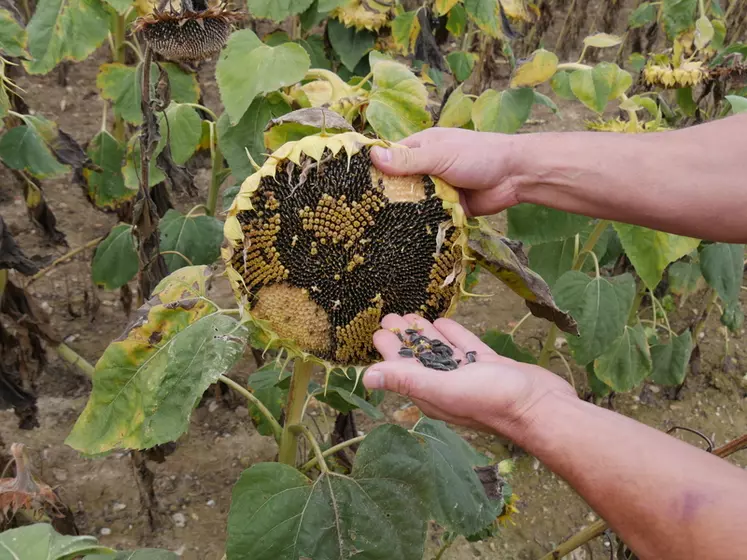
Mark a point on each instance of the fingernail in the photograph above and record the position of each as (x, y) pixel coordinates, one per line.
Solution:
(384, 155)
(373, 379)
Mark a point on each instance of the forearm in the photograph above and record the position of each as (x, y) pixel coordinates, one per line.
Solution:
(665, 498)
(690, 182)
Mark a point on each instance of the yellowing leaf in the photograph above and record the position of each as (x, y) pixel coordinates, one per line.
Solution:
(458, 110)
(443, 7)
(540, 68)
(703, 32)
(602, 40)
(405, 30)
(503, 111)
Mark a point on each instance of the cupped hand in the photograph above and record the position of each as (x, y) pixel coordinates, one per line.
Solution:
(480, 164)
(494, 394)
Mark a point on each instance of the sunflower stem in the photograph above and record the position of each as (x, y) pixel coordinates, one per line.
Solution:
(299, 386)
(217, 171)
(276, 428)
(118, 56)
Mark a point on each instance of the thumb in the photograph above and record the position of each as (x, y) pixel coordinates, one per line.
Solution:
(407, 378)
(402, 160)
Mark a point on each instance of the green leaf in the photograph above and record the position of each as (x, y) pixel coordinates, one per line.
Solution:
(456, 22)
(148, 381)
(540, 67)
(685, 101)
(733, 316)
(670, 360)
(65, 30)
(183, 128)
(329, 5)
(684, 277)
(443, 7)
(533, 224)
(602, 40)
(41, 542)
(405, 31)
(561, 85)
(597, 386)
(722, 265)
(345, 394)
(652, 251)
(269, 375)
(314, 45)
(458, 110)
(627, 362)
(12, 36)
(115, 261)
(738, 103)
(458, 502)
(350, 44)
(485, 14)
(703, 32)
(198, 238)
(277, 10)
(600, 85)
(461, 64)
(552, 260)
(678, 16)
(377, 512)
(107, 189)
(396, 107)
(644, 14)
(599, 305)
(274, 399)
(637, 61)
(503, 344)
(23, 148)
(504, 111)
(121, 85)
(247, 69)
(542, 99)
(140, 554)
(247, 135)
(131, 169)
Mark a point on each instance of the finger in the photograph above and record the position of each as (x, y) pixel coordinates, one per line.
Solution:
(432, 332)
(394, 322)
(466, 341)
(406, 378)
(388, 345)
(403, 160)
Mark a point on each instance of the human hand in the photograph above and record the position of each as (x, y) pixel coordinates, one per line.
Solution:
(494, 394)
(480, 164)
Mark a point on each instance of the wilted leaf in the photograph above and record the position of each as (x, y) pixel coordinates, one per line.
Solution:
(652, 251)
(493, 254)
(121, 85)
(458, 501)
(683, 277)
(106, 189)
(738, 103)
(627, 362)
(722, 266)
(678, 16)
(247, 69)
(644, 14)
(533, 224)
(182, 127)
(396, 107)
(11, 255)
(198, 238)
(377, 512)
(540, 67)
(115, 261)
(131, 168)
(670, 360)
(41, 542)
(485, 14)
(600, 85)
(148, 381)
(504, 111)
(301, 123)
(65, 30)
(599, 305)
(350, 44)
(602, 40)
(23, 148)
(461, 64)
(12, 36)
(405, 31)
(40, 213)
(247, 135)
(457, 111)
(277, 10)
(504, 344)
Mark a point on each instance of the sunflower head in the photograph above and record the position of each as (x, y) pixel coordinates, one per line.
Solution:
(320, 246)
(364, 14)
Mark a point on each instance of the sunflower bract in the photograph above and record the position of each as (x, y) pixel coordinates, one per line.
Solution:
(321, 249)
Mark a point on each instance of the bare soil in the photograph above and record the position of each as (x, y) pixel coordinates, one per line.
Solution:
(195, 481)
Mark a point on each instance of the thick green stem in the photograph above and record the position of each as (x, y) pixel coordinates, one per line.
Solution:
(217, 172)
(276, 427)
(301, 429)
(591, 241)
(73, 358)
(294, 410)
(332, 450)
(633, 315)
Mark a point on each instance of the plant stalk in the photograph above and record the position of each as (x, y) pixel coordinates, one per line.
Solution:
(277, 429)
(118, 55)
(704, 316)
(217, 171)
(588, 247)
(67, 256)
(301, 429)
(75, 359)
(633, 315)
(332, 450)
(302, 370)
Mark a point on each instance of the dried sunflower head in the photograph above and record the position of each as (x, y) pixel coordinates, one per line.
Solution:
(321, 246)
(184, 34)
(364, 14)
